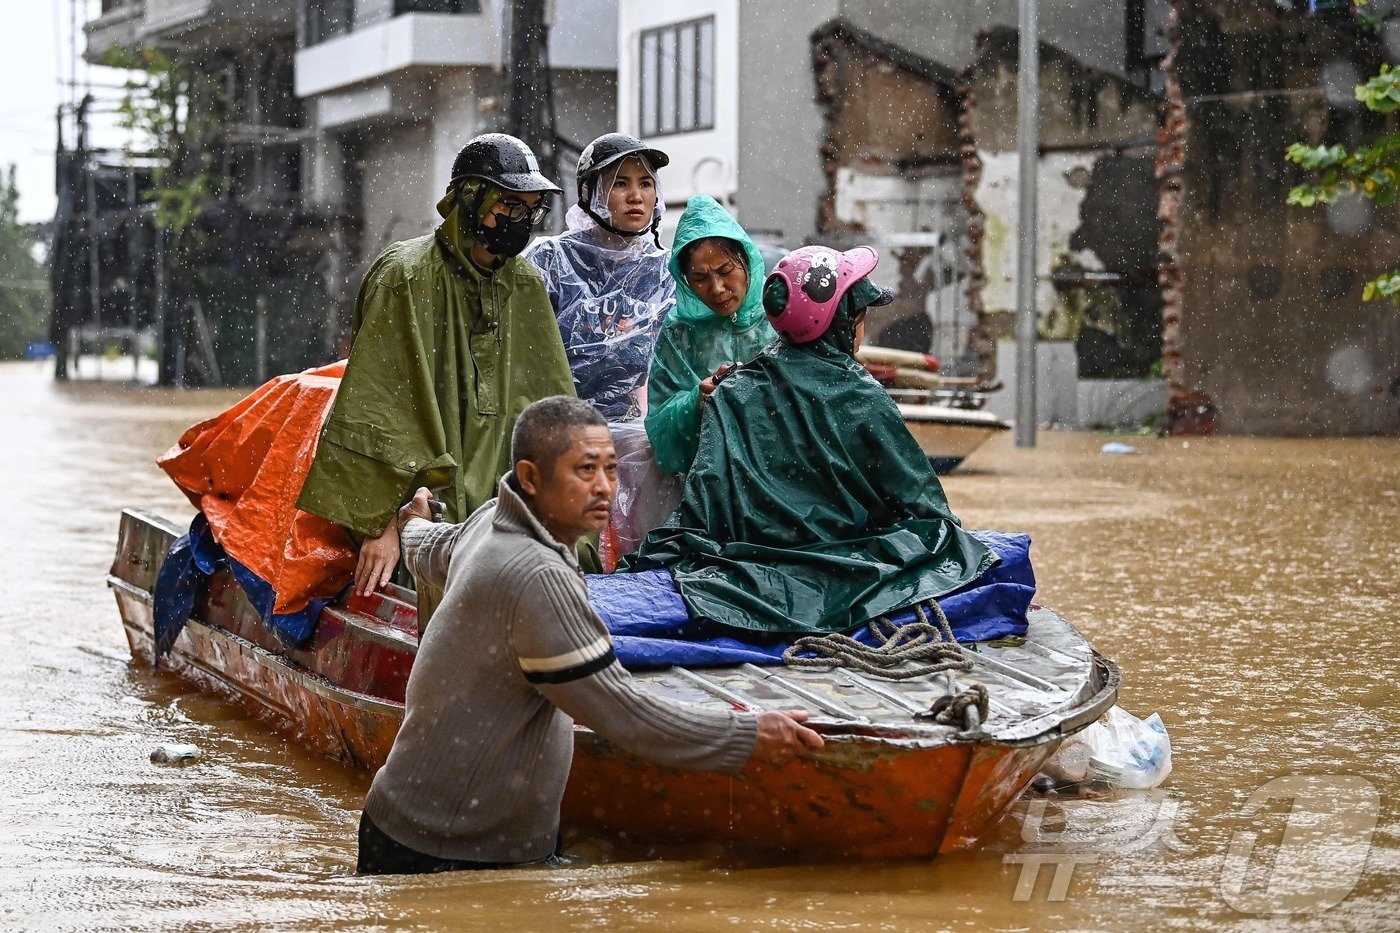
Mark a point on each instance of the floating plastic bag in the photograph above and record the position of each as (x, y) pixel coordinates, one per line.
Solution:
(174, 754)
(1119, 750)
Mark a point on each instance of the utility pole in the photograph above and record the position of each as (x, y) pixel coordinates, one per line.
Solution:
(528, 92)
(1027, 144)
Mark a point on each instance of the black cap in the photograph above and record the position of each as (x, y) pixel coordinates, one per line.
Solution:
(502, 160)
(612, 148)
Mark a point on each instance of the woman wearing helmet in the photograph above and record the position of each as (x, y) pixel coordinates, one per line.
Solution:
(606, 274)
(718, 320)
(809, 507)
(606, 277)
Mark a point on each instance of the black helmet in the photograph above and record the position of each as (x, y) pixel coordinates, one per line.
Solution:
(504, 161)
(609, 149)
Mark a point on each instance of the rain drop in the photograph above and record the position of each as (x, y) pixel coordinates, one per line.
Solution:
(1350, 370)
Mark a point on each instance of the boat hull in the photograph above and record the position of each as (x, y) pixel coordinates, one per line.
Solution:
(857, 799)
(949, 435)
(868, 793)
(353, 727)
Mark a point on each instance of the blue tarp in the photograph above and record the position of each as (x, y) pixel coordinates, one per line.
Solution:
(649, 621)
(651, 626)
(192, 559)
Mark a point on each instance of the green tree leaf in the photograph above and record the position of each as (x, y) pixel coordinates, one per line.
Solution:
(1371, 171)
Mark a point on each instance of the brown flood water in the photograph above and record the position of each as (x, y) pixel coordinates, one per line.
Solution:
(1247, 587)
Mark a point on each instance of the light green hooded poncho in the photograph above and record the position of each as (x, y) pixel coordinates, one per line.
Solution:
(694, 340)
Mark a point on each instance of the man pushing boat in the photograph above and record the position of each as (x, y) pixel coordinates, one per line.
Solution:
(515, 654)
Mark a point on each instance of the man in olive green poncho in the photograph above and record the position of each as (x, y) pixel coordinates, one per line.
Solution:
(809, 507)
(452, 337)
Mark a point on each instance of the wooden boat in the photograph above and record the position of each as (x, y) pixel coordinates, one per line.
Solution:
(890, 781)
(948, 434)
(942, 412)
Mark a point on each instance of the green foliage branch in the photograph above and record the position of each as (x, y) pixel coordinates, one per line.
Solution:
(24, 292)
(1371, 172)
(180, 110)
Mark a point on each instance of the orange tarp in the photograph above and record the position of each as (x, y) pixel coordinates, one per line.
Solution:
(244, 470)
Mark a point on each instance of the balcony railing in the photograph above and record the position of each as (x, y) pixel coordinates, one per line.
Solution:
(412, 40)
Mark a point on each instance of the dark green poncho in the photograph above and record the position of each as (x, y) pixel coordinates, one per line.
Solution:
(809, 507)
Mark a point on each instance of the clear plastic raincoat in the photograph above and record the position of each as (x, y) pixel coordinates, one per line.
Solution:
(610, 294)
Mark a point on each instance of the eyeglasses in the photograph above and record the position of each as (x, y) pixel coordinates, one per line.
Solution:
(512, 209)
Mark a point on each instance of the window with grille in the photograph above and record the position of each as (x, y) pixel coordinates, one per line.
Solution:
(436, 6)
(326, 19)
(677, 78)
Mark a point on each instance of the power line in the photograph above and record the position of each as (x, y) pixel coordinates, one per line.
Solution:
(26, 115)
(90, 85)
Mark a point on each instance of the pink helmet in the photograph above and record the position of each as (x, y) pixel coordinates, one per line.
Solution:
(817, 278)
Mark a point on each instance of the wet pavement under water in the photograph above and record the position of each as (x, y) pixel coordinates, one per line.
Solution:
(1248, 588)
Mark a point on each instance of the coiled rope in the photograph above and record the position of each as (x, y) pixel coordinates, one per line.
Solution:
(903, 652)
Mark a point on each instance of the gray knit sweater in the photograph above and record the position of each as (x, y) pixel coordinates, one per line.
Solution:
(513, 656)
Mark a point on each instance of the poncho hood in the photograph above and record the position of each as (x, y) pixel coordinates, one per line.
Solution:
(695, 340)
(704, 217)
(451, 233)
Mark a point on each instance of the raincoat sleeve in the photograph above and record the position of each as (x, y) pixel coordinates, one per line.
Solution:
(544, 255)
(673, 407)
(384, 435)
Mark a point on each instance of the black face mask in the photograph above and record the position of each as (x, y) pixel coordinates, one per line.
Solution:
(508, 238)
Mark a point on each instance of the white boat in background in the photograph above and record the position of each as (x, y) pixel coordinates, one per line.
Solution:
(949, 434)
(944, 413)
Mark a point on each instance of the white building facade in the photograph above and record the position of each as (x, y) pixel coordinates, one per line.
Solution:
(396, 87)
